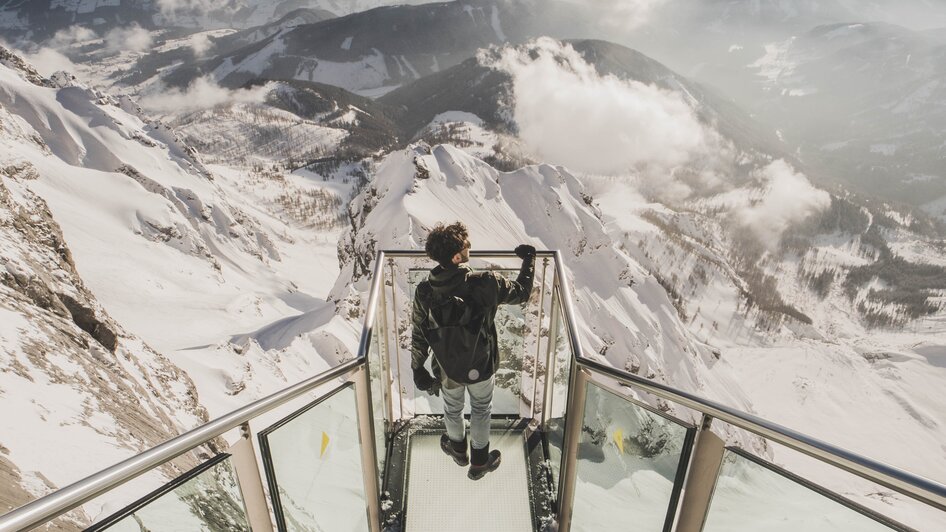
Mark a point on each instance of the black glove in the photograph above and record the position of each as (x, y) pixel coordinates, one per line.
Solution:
(425, 382)
(525, 251)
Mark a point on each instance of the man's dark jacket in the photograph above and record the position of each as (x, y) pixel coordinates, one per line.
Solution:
(486, 288)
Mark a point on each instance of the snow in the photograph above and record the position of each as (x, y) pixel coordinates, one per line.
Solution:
(255, 62)
(497, 26)
(843, 31)
(887, 150)
(775, 64)
(403, 61)
(368, 73)
(377, 92)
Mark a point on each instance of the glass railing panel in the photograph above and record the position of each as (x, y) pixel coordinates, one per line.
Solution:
(752, 495)
(629, 464)
(560, 366)
(516, 338)
(313, 466)
(206, 498)
(380, 386)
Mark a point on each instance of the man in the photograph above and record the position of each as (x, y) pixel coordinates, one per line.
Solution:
(454, 316)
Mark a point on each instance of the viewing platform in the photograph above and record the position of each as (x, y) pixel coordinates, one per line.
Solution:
(356, 448)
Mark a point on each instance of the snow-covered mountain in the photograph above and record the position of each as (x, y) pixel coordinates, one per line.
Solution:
(852, 87)
(79, 382)
(700, 253)
(863, 103)
(41, 19)
(130, 269)
(376, 50)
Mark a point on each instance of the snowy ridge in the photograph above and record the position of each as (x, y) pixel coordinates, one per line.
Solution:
(626, 316)
(110, 226)
(79, 383)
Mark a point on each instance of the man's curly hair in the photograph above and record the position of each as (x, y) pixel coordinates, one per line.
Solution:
(445, 241)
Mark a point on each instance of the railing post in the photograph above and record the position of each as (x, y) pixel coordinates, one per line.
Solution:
(383, 355)
(574, 418)
(701, 478)
(369, 458)
(243, 454)
(550, 361)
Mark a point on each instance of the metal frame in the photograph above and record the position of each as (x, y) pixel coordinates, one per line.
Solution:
(685, 450)
(65, 499)
(51, 506)
(701, 474)
(266, 452)
(922, 489)
(843, 501)
(40, 511)
(184, 478)
(251, 483)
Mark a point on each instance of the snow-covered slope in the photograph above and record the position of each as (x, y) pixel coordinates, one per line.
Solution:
(156, 250)
(375, 50)
(863, 104)
(73, 382)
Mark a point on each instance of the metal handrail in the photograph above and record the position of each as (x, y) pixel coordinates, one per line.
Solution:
(61, 501)
(499, 254)
(568, 307)
(914, 486)
(65, 499)
(42, 510)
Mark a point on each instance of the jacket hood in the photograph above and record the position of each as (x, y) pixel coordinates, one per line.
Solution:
(447, 279)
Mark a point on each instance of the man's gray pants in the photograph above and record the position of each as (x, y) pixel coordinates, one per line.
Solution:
(481, 407)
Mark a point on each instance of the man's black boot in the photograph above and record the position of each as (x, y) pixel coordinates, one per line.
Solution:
(483, 461)
(455, 450)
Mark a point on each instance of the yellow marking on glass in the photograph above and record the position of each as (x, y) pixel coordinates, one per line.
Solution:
(324, 444)
(619, 440)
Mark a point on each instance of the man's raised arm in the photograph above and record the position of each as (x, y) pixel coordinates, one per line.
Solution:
(518, 291)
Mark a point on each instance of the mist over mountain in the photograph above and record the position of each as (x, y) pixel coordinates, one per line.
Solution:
(845, 101)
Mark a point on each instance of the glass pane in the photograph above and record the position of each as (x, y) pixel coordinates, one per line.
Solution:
(628, 458)
(210, 501)
(751, 496)
(512, 331)
(377, 375)
(561, 366)
(314, 467)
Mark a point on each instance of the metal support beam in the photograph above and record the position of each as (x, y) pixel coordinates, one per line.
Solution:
(243, 456)
(550, 364)
(701, 479)
(369, 458)
(573, 422)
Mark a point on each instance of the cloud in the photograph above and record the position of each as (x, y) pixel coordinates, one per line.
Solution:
(569, 114)
(71, 36)
(788, 198)
(200, 43)
(620, 14)
(134, 38)
(48, 61)
(199, 6)
(203, 93)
